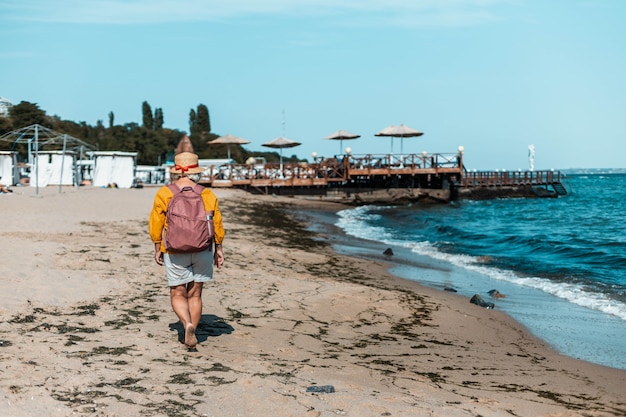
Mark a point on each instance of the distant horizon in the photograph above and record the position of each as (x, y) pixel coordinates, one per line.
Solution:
(607, 171)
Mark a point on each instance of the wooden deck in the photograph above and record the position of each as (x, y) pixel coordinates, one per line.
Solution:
(325, 172)
(415, 171)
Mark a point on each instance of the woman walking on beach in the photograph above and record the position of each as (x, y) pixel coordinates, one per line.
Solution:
(186, 270)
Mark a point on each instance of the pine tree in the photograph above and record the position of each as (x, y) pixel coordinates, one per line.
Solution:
(158, 119)
(148, 119)
(193, 121)
(204, 123)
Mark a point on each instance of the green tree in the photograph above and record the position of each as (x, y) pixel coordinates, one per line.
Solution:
(158, 119)
(67, 126)
(204, 122)
(148, 144)
(100, 134)
(26, 114)
(193, 121)
(148, 119)
(6, 125)
(200, 131)
(172, 138)
(153, 142)
(116, 136)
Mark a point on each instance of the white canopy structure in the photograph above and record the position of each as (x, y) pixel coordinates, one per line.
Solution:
(149, 174)
(114, 169)
(54, 168)
(8, 168)
(40, 139)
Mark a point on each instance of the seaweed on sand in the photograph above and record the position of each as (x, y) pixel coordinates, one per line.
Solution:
(274, 220)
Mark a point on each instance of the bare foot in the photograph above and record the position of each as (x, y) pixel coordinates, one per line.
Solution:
(190, 336)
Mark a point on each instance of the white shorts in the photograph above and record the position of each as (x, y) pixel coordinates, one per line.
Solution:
(182, 268)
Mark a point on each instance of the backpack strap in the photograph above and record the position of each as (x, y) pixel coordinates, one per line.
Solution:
(198, 188)
(174, 188)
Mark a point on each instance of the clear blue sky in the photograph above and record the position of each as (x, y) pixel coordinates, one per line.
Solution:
(492, 75)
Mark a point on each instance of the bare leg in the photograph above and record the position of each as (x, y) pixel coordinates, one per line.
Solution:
(180, 305)
(179, 296)
(194, 297)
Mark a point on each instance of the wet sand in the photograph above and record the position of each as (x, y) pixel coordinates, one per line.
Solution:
(87, 328)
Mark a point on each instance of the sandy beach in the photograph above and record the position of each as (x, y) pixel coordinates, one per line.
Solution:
(87, 328)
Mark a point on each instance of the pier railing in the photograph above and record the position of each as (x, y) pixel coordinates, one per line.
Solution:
(432, 161)
(510, 178)
(434, 171)
(335, 169)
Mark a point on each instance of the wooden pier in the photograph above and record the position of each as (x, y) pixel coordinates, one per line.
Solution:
(384, 178)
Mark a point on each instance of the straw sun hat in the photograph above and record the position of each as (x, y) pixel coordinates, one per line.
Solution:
(186, 162)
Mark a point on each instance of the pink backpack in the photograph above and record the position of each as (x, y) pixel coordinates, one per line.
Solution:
(189, 225)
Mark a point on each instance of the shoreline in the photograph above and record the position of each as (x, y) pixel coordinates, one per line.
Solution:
(94, 333)
(442, 275)
(540, 313)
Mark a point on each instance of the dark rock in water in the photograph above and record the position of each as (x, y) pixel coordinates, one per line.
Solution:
(496, 294)
(388, 252)
(449, 289)
(478, 300)
(327, 389)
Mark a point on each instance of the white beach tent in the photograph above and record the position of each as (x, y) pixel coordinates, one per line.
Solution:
(38, 139)
(113, 168)
(8, 168)
(53, 168)
(149, 174)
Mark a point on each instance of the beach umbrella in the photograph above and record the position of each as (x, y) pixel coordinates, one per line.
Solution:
(342, 135)
(228, 139)
(281, 143)
(401, 131)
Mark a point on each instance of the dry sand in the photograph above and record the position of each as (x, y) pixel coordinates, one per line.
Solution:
(87, 328)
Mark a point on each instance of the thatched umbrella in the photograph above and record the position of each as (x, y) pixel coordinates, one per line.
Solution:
(280, 143)
(401, 132)
(342, 135)
(228, 139)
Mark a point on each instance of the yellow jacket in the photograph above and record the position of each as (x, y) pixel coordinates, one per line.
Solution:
(157, 216)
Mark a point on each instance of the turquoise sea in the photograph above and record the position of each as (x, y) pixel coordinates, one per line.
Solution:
(560, 262)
